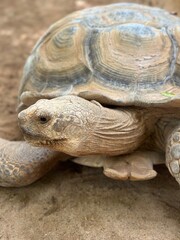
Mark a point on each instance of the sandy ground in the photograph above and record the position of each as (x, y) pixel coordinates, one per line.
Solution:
(73, 202)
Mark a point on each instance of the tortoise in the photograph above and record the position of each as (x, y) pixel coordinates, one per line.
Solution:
(101, 88)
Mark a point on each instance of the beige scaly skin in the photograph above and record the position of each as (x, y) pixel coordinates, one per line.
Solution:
(79, 127)
(22, 164)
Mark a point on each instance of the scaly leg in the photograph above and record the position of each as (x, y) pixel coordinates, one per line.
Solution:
(173, 153)
(22, 164)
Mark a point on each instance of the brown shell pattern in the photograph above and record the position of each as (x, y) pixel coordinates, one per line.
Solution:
(119, 54)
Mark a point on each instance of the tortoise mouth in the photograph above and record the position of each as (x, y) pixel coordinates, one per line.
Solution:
(47, 143)
(38, 140)
(44, 142)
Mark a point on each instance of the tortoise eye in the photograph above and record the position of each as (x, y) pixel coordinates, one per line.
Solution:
(43, 119)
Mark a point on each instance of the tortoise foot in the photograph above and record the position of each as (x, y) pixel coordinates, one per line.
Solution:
(128, 172)
(137, 166)
(22, 164)
(173, 154)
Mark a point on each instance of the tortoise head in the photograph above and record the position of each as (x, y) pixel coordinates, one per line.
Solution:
(60, 124)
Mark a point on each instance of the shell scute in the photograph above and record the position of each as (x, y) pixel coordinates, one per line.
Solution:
(130, 55)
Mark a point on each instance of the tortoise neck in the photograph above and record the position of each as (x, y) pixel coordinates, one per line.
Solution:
(118, 131)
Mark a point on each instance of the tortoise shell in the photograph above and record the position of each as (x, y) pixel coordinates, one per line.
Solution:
(119, 54)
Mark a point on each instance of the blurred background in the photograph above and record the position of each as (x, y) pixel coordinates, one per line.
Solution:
(74, 203)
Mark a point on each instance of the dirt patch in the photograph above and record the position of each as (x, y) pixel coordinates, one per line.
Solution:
(73, 202)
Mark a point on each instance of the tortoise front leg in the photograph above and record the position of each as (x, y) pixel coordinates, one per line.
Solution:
(173, 152)
(22, 164)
